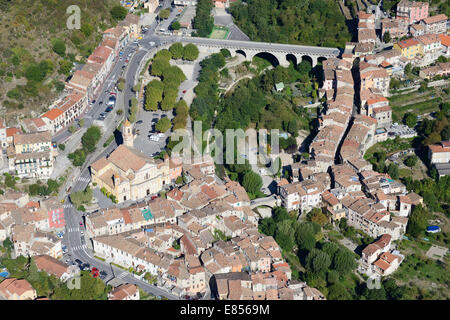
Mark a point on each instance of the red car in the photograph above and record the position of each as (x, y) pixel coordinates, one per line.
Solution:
(154, 197)
(126, 61)
(95, 272)
(112, 93)
(81, 224)
(184, 91)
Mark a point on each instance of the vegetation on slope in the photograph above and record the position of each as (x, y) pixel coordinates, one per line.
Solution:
(318, 22)
(37, 53)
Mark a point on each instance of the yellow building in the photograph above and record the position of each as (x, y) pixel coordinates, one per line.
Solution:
(409, 48)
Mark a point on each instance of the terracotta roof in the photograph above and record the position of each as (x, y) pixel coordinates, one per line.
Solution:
(407, 43)
(123, 291)
(12, 131)
(435, 19)
(11, 286)
(52, 114)
(445, 39)
(50, 265)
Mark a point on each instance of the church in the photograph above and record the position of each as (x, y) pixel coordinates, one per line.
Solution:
(129, 174)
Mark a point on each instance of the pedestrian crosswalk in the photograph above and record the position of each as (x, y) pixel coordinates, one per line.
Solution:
(122, 275)
(78, 248)
(73, 230)
(84, 179)
(67, 206)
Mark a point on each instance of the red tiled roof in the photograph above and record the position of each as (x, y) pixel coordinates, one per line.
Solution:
(52, 114)
(12, 131)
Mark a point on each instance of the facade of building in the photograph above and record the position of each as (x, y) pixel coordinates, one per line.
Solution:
(32, 155)
(412, 11)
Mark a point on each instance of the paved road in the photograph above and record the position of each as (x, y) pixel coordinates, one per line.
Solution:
(73, 239)
(252, 45)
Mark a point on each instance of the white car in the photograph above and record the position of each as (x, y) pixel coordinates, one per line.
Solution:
(160, 135)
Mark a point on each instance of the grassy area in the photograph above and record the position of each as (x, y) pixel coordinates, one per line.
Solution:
(399, 99)
(119, 266)
(334, 235)
(419, 272)
(108, 142)
(97, 257)
(389, 146)
(417, 108)
(219, 32)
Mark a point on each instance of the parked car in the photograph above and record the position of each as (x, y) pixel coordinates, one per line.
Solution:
(78, 261)
(81, 224)
(184, 91)
(139, 122)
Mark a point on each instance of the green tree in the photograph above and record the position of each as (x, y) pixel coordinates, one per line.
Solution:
(252, 182)
(344, 261)
(90, 138)
(163, 125)
(338, 292)
(318, 261)
(411, 161)
(393, 171)
(118, 12)
(59, 47)
(175, 25)
(410, 119)
(387, 37)
(164, 14)
(65, 66)
(190, 52)
(408, 69)
(225, 52)
(417, 221)
(176, 50)
(305, 240)
(267, 226)
(10, 182)
(78, 157)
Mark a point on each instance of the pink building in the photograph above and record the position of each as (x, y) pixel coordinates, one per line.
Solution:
(412, 11)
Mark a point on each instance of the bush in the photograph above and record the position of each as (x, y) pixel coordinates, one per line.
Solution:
(411, 161)
(59, 47)
(119, 12)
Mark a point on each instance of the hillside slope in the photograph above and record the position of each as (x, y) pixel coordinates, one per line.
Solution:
(38, 50)
(318, 22)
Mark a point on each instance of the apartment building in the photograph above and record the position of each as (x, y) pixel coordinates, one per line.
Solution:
(32, 155)
(412, 11)
(435, 24)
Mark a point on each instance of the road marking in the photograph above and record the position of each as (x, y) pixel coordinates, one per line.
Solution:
(122, 275)
(83, 179)
(79, 248)
(66, 206)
